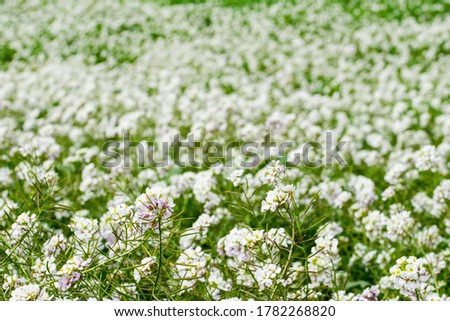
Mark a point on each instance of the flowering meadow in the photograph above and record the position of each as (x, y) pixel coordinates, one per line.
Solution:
(75, 75)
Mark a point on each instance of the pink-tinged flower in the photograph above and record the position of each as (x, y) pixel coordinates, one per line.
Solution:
(153, 205)
(66, 281)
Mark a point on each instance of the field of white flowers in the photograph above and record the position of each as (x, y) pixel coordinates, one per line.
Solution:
(77, 74)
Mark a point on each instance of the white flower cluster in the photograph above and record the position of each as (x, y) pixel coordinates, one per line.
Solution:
(144, 269)
(12, 281)
(266, 275)
(191, 268)
(24, 224)
(45, 269)
(236, 177)
(243, 244)
(217, 283)
(112, 222)
(364, 190)
(240, 243)
(277, 197)
(409, 275)
(273, 173)
(85, 229)
(198, 232)
(323, 261)
(398, 225)
(369, 294)
(333, 193)
(29, 292)
(55, 245)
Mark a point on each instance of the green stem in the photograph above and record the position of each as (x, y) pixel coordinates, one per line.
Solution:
(160, 257)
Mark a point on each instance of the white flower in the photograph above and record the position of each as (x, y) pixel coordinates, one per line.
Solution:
(85, 229)
(388, 193)
(55, 245)
(144, 269)
(272, 173)
(191, 267)
(398, 225)
(29, 292)
(266, 275)
(236, 177)
(44, 268)
(25, 223)
(364, 190)
(323, 261)
(114, 223)
(276, 198)
(217, 283)
(408, 275)
(427, 158)
(12, 281)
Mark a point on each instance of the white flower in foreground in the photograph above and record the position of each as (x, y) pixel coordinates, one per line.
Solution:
(217, 283)
(266, 275)
(240, 243)
(114, 222)
(12, 281)
(144, 269)
(276, 198)
(29, 292)
(324, 261)
(44, 268)
(24, 224)
(273, 173)
(55, 245)
(369, 294)
(191, 267)
(277, 236)
(409, 275)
